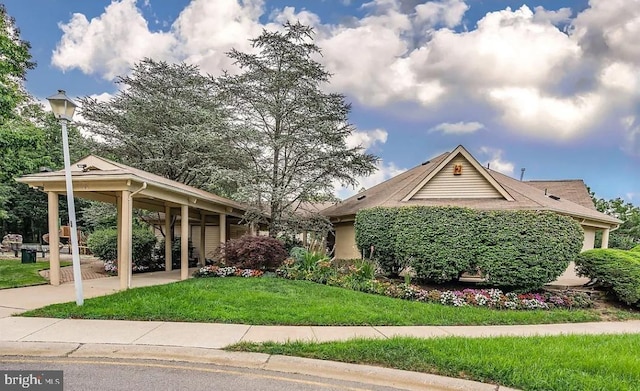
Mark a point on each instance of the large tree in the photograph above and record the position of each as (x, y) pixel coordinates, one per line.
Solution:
(15, 61)
(628, 234)
(165, 119)
(291, 132)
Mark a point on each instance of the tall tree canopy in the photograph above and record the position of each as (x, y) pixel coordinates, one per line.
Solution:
(292, 133)
(628, 234)
(166, 119)
(15, 61)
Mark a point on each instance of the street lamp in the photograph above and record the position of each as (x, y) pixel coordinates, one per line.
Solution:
(63, 108)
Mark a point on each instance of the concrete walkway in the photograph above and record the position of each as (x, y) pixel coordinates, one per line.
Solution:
(199, 342)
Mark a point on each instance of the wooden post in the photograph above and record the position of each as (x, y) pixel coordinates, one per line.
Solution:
(184, 243)
(54, 239)
(168, 255)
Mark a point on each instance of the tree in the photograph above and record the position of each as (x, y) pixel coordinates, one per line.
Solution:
(627, 235)
(167, 120)
(15, 61)
(292, 134)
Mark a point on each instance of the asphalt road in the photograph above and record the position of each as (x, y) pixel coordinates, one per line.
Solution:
(145, 375)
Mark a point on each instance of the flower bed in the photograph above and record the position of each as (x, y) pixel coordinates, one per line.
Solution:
(111, 267)
(218, 271)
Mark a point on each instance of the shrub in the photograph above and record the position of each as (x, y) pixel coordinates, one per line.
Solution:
(438, 243)
(617, 269)
(289, 242)
(374, 229)
(176, 253)
(103, 243)
(516, 250)
(254, 252)
(524, 250)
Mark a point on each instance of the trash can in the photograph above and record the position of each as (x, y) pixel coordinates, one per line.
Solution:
(28, 256)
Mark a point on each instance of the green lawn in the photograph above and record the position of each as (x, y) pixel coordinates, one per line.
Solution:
(564, 363)
(276, 301)
(14, 274)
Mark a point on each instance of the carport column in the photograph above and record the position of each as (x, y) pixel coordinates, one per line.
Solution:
(168, 261)
(605, 238)
(125, 240)
(203, 228)
(54, 239)
(184, 243)
(119, 230)
(223, 231)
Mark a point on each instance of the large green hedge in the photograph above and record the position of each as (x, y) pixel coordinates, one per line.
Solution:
(437, 242)
(614, 268)
(374, 230)
(520, 250)
(525, 249)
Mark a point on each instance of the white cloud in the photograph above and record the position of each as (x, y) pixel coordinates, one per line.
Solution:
(523, 67)
(495, 160)
(457, 128)
(530, 111)
(111, 43)
(446, 12)
(366, 138)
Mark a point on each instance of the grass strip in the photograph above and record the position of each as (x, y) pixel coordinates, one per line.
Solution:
(275, 301)
(566, 363)
(14, 274)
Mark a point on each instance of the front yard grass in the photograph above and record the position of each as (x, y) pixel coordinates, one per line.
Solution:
(14, 274)
(575, 362)
(276, 301)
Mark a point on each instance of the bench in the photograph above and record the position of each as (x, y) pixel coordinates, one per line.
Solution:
(41, 248)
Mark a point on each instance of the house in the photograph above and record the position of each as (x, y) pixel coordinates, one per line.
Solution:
(457, 179)
(212, 219)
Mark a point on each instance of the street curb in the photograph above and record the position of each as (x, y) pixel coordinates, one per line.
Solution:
(293, 365)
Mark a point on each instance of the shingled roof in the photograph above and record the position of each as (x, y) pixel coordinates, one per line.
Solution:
(515, 194)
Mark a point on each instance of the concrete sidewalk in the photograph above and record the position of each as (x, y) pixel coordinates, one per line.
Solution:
(200, 342)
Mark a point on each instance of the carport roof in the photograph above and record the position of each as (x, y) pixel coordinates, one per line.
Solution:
(101, 179)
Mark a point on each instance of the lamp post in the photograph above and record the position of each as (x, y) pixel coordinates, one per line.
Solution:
(63, 108)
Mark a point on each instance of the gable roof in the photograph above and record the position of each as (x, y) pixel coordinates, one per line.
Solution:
(96, 169)
(572, 189)
(398, 191)
(459, 151)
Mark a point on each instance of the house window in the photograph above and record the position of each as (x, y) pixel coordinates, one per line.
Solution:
(457, 169)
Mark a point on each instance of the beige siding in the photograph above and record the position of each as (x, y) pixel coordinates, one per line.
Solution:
(346, 242)
(211, 240)
(235, 231)
(589, 238)
(470, 184)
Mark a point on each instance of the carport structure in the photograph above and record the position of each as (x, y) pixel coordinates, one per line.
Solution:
(99, 179)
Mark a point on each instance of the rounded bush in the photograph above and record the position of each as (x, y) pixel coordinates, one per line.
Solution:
(616, 269)
(103, 243)
(254, 252)
(524, 250)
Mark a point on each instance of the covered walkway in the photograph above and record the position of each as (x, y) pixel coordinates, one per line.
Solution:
(99, 179)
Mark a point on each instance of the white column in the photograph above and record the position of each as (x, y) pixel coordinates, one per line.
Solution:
(119, 229)
(54, 238)
(223, 230)
(203, 230)
(605, 238)
(125, 240)
(184, 243)
(168, 261)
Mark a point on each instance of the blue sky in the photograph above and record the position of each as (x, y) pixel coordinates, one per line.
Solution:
(550, 86)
